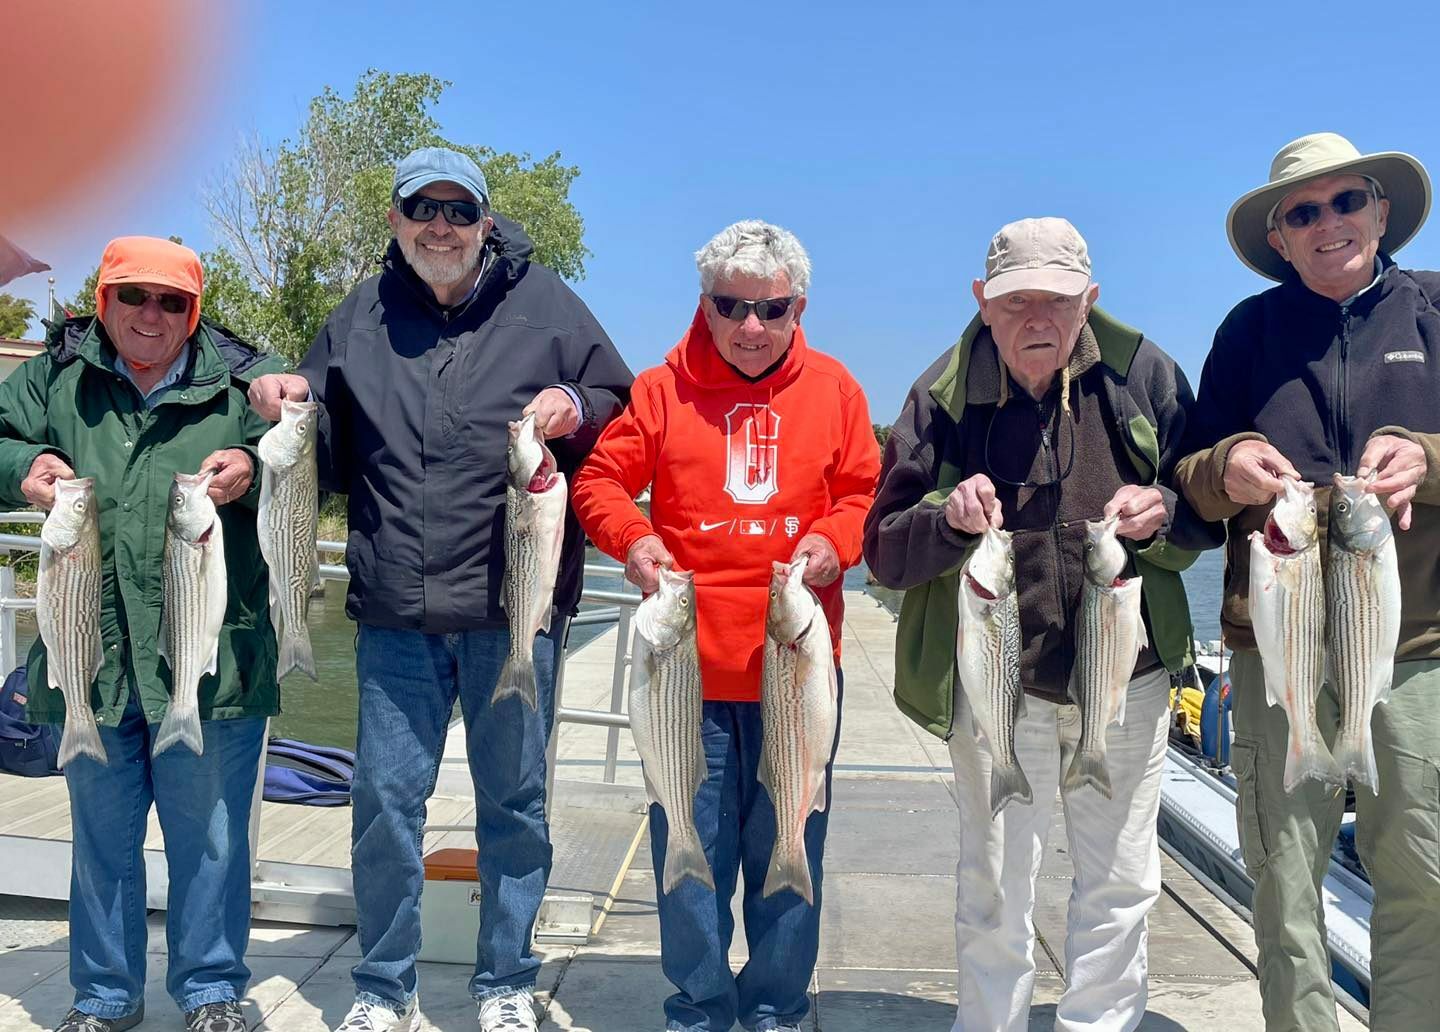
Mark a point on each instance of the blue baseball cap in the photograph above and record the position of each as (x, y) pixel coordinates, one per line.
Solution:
(429, 165)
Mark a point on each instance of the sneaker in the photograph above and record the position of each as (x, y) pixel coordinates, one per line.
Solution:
(224, 1016)
(79, 1021)
(365, 1016)
(508, 1012)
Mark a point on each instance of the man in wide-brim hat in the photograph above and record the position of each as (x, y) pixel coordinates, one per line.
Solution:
(1336, 370)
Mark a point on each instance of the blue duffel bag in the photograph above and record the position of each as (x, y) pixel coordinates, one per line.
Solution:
(31, 750)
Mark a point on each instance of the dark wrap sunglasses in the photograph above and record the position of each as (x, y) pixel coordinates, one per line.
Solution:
(170, 304)
(738, 309)
(1346, 202)
(424, 209)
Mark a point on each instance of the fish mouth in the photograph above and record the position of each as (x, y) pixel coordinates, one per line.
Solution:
(545, 474)
(204, 538)
(1275, 539)
(979, 589)
(1120, 582)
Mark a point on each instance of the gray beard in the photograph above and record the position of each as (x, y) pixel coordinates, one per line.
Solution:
(443, 271)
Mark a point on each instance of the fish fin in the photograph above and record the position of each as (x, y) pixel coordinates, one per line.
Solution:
(1385, 680)
(162, 648)
(296, 653)
(1121, 693)
(821, 798)
(1006, 783)
(218, 588)
(517, 677)
(180, 727)
(545, 620)
(1316, 762)
(650, 793)
(790, 872)
(81, 737)
(1089, 768)
(685, 858)
(1355, 756)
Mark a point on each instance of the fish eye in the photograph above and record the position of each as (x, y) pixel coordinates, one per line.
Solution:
(773, 593)
(1343, 506)
(79, 505)
(684, 601)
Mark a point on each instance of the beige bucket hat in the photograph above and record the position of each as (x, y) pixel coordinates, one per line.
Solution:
(1403, 180)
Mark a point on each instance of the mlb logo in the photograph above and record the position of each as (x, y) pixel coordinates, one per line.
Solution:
(755, 528)
(474, 899)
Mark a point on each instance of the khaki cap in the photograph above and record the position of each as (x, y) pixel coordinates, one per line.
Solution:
(1037, 254)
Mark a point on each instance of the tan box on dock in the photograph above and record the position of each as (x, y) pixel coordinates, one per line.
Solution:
(450, 907)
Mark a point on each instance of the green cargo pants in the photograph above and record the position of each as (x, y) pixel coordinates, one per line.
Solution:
(1286, 842)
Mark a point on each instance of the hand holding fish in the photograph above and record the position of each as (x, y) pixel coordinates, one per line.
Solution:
(644, 561)
(824, 565)
(38, 487)
(233, 473)
(972, 507)
(1141, 511)
(1398, 465)
(269, 390)
(555, 412)
(1254, 472)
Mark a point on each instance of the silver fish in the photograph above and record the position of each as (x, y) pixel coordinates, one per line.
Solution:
(534, 533)
(987, 653)
(665, 718)
(1109, 638)
(195, 590)
(1362, 596)
(799, 707)
(67, 609)
(1287, 611)
(286, 523)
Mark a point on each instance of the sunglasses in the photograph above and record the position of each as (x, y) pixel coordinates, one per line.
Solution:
(170, 304)
(739, 310)
(1346, 202)
(424, 209)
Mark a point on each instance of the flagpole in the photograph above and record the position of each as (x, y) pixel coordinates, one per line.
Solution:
(50, 307)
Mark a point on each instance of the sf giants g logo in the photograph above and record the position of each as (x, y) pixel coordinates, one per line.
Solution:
(752, 451)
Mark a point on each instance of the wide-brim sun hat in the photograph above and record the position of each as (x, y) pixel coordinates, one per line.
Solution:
(1403, 181)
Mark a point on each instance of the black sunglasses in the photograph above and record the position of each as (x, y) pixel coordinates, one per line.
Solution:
(171, 304)
(739, 310)
(1346, 202)
(424, 209)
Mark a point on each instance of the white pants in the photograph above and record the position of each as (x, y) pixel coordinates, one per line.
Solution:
(1114, 849)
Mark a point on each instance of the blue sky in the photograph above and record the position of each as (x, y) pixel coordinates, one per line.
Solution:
(894, 139)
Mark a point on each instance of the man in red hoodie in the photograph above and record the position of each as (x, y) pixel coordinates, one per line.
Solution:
(756, 449)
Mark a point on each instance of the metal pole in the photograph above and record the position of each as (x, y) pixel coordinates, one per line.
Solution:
(617, 691)
(553, 745)
(9, 659)
(255, 804)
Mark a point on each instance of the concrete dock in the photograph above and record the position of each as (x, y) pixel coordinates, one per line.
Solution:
(887, 957)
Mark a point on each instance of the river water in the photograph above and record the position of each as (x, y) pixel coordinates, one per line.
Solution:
(324, 713)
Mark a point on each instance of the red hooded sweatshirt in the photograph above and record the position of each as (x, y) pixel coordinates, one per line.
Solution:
(738, 473)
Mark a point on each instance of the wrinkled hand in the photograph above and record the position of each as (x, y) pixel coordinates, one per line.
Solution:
(233, 473)
(972, 507)
(1141, 511)
(555, 414)
(1399, 465)
(38, 487)
(642, 565)
(824, 564)
(267, 391)
(1254, 472)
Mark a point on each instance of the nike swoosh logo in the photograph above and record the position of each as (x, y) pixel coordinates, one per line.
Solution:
(707, 525)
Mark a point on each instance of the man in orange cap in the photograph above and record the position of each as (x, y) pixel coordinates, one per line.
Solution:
(129, 397)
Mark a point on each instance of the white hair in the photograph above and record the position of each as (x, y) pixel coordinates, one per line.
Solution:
(754, 248)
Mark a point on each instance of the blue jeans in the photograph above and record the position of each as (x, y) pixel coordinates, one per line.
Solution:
(736, 822)
(409, 681)
(204, 807)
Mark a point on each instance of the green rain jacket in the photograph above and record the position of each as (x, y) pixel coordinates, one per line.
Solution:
(72, 402)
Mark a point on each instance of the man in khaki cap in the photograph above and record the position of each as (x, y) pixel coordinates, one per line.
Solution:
(1048, 413)
(1336, 370)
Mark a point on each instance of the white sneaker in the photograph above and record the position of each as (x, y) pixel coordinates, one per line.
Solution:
(365, 1016)
(508, 1012)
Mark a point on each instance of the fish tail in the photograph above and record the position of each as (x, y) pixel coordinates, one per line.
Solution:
(685, 857)
(1308, 758)
(1089, 768)
(81, 737)
(180, 727)
(1355, 755)
(517, 677)
(296, 653)
(790, 869)
(1008, 782)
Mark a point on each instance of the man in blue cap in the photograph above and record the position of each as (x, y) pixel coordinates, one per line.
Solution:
(417, 373)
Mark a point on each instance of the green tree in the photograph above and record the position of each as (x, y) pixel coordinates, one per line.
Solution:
(882, 433)
(15, 315)
(301, 223)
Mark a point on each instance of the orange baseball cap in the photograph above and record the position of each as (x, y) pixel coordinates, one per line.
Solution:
(142, 259)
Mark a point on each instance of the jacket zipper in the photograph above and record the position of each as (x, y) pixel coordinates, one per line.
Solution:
(1342, 377)
(1052, 466)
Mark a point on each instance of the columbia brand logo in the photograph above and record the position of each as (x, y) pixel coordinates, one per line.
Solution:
(1404, 356)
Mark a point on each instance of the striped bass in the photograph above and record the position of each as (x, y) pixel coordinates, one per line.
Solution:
(1287, 611)
(799, 706)
(67, 610)
(1362, 598)
(665, 718)
(535, 498)
(987, 653)
(1110, 635)
(195, 590)
(286, 523)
